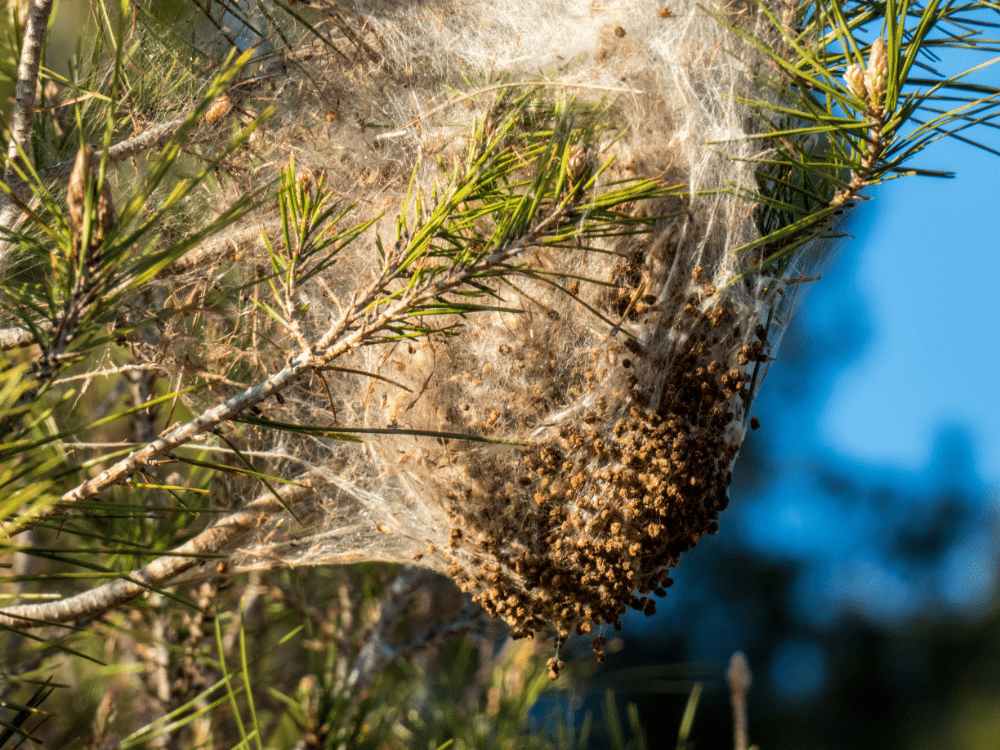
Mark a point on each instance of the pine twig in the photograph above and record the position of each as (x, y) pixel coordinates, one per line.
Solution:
(159, 573)
(18, 338)
(152, 138)
(21, 119)
(379, 651)
(739, 679)
(27, 81)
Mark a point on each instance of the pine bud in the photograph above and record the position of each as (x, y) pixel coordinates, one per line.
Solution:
(878, 71)
(76, 199)
(581, 163)
(854, 77)
(76, 190)
(219, 108)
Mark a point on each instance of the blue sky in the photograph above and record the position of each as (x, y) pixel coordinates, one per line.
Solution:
(905, 329)
(923, 268)
(905, 324)
(920, 274)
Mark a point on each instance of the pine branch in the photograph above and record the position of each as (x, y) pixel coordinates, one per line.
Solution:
(151, 138)
(380, 649)
(24, 94)
(19, 150)
(160, 573)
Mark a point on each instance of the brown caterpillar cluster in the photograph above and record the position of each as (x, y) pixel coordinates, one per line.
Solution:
(607, 507)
